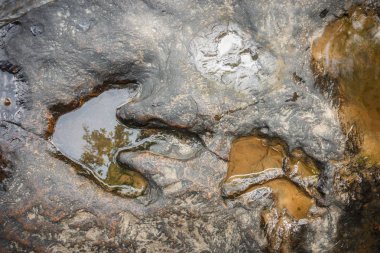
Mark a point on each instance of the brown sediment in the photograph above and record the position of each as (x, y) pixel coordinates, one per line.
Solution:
(289, 196)
(348, 52)
(306, 166)
(254, 154)
(7, 102)
(51, 121)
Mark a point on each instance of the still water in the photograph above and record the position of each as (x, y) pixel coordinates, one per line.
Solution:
(254, 154)
(91, 136)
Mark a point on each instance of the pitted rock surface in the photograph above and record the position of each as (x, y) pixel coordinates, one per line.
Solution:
(212, 71)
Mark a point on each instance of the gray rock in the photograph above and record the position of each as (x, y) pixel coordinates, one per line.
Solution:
(211, 70)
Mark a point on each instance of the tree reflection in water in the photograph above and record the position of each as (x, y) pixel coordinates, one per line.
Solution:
(99, 151)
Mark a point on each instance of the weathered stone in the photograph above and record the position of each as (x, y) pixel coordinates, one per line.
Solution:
(208, 72)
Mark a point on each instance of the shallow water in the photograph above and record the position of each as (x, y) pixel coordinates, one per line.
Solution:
(91, 135)
(290, 197)
(302, 165)
(255, 154)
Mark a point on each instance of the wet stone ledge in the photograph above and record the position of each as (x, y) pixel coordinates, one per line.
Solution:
(251, 126)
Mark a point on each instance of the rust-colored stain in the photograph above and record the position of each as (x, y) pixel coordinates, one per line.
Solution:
(349, 52)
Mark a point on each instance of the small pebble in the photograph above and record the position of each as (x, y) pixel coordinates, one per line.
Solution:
(7, 102)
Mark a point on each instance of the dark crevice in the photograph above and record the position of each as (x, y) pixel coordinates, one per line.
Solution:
(5, 171)
(7, 66)
(19, 126)
(158, 124)
(359, 226)
(323, 13)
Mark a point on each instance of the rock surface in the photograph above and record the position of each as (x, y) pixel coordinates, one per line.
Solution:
(212, 71)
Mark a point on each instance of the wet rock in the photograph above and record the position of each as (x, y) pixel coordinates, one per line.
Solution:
(13, 96)
(238, 184)
(208, 73)
(231, 57)
(179, 112)
(10, 10)
(343, 52)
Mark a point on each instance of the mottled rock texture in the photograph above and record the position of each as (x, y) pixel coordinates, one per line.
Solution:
(213, 70)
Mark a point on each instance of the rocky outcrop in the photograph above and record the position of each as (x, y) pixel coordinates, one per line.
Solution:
(208, 73)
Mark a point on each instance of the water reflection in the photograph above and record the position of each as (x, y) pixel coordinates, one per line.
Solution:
(91, 135)
(101, 146)
(99, 154)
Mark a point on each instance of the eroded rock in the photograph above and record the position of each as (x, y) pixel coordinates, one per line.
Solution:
(256, 79)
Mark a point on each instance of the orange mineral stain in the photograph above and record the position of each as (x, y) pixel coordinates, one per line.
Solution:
(348, 51)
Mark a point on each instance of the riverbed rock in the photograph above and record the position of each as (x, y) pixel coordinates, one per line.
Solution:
(212, 71)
